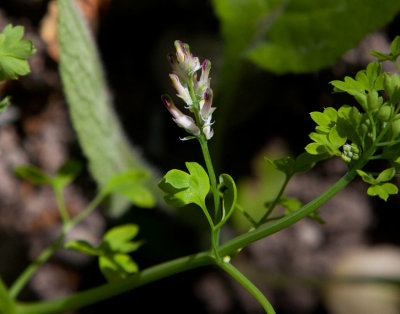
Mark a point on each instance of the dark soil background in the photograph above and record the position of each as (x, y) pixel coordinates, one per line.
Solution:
(270, 115)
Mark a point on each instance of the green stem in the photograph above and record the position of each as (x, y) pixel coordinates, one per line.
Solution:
(397, 66)
(232, 246)
(22, 280)
(27, 274)
(91, 296)
(214, 189)
(61, 204)
(275, 202)
(154, 273)
(248, 285)
(246, 214)
(92, 206)
(213, 178)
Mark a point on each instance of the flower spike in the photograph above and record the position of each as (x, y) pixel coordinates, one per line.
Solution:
(194, 91)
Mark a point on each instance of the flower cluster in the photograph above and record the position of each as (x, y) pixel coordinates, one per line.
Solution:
(350, 152)
(194, 91)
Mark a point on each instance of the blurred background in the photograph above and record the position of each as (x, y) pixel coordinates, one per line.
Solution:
(268, 116)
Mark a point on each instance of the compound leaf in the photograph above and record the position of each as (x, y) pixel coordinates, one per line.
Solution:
(382, 190)
(14, 52)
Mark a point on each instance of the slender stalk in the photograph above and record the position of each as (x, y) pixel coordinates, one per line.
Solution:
(274, 203)
(92, 206)
(246, 214)
(106, 291)
(214, 189)
(61, 204)
(26, 275)
(213, 178)
(232, 246)
(154, 273)
(397, 66)
(248, 285)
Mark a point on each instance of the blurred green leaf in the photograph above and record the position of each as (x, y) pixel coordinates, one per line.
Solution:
(67, 173)
(302, 35)
(114, 262)
(33, 174)
(4, 103)
(299, 35)
(392, 56)
(286, 164)
(367, 178)
(386, 175)
(130, 184)
(98, 129)
(395, 47)
(83, 247)
(118, 239)
(117, 266)
(14, 52)
(306, 161)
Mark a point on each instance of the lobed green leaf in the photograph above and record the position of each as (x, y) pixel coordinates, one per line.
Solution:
(382, 190)
(185, 188)
(118, 239)
(14, 52)
(117, 266)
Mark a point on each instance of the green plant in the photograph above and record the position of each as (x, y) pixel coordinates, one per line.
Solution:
(358, 134)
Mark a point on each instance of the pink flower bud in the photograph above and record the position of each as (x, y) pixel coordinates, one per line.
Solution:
(179, 118)
(183, 92)
(181, 52)
(208, 132)
(205, 71)
(187, 62)
(205, 106)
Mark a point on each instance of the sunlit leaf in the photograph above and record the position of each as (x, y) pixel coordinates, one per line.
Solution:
(14, 52)
(184, 188)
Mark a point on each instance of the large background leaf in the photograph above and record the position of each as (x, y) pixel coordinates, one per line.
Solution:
(299, 35)
(93, 118)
